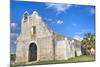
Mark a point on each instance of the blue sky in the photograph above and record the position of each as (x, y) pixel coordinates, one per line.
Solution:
(67, 19)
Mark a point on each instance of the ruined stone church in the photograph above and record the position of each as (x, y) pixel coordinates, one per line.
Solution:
(36, 42)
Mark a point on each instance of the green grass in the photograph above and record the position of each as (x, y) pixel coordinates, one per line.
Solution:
(84, 58)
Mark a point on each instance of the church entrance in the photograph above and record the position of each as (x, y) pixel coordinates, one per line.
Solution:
(32, 52)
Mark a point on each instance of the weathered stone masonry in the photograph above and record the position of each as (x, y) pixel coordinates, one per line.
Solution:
(37, 42)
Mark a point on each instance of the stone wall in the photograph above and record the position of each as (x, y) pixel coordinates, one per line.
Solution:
(60, 50)
(46, 48)
(50, 45)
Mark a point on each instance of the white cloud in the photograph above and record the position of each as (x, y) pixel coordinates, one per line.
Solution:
(58, 7)
(48, 19)
(60, 22)
(14, 34)
(77, 38)
(13, 25)
(13, 37)
(56, 21)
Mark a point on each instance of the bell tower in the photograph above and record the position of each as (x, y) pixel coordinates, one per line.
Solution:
(25, 16)
(25, 21)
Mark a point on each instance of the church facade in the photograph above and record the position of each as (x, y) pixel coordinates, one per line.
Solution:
(37, 42)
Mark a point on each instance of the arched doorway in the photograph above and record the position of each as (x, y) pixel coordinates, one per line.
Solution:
(32, 52)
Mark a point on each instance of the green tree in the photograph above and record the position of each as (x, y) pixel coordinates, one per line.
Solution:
(88, 40)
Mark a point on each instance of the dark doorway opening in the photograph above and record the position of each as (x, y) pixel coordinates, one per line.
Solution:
(32, 52)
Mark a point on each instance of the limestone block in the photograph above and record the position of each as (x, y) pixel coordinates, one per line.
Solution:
(78, 53)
